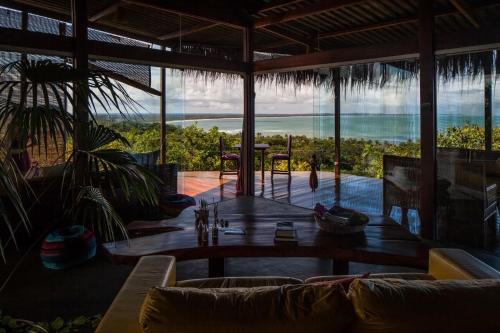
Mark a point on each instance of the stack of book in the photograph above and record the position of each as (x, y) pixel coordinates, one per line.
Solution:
(285, 233)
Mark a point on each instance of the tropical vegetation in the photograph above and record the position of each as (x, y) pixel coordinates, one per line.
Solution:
(193, 148)
(33, 112)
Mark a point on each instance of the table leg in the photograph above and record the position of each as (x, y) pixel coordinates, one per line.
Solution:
(215, 267)
(340, 267)
(262, 165)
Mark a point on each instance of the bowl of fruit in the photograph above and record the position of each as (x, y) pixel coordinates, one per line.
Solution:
(339, 221)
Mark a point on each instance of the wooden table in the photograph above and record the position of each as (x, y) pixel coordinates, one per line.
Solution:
(384, 242)
(262, 147)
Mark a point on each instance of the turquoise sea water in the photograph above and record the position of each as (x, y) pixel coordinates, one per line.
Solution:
(388, 127)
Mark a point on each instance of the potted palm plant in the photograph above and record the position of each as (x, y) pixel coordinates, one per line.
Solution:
(33, 109)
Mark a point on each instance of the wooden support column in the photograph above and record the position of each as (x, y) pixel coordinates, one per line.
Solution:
(247, 147)
(163, 115)
(427, 119)
(336, 78)
(24, 56)
(488, 101)
(81, 63)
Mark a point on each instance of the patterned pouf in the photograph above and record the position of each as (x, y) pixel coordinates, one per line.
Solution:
(174, 204)
(67, 247)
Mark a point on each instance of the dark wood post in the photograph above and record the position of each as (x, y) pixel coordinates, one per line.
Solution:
(488, 101)
(163, 115)
(427, 119)
(247, 147)
(81, 63)
(336, 78)
(24, 56)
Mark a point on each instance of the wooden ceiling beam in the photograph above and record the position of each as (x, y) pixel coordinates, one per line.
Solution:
(278, 4)
(189, 31)
(307, 42)
(198, 10)
(476, 40)
(369, 27)
(338, 57)
(16, 40)
(401, 21)
(324, 5)
(467, 11)
(108, 10)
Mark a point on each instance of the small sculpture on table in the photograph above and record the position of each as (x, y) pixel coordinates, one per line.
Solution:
(313, 178)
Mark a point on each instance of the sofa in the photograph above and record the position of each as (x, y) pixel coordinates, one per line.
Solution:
(457, 293)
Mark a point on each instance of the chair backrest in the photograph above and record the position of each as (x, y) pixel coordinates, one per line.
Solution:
(289, 145)
(221, 145)
(148, 160)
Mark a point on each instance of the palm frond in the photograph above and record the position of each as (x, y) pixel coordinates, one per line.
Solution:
(49, 81)
(12, 211)
(111, 169)
(91, 206)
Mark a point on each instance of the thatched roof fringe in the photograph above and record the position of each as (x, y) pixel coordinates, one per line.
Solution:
(354, 77)
(371, 75)
(470, 66)
(208, 76)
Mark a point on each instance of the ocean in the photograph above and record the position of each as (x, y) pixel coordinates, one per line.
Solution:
(388, 127)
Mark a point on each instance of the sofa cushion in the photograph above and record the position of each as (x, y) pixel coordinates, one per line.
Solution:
(345, 281)
(238, 282)
(403, 306)
(289, 308)
(404, 276)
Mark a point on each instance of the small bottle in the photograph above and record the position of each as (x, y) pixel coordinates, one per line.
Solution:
(204, 237)
(215, 232)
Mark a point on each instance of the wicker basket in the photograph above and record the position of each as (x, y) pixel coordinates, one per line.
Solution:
(339, 227)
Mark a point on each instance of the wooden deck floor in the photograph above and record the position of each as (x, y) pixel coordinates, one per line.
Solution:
(360, 193)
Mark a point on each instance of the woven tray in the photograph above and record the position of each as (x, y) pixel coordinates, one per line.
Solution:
(339, 227)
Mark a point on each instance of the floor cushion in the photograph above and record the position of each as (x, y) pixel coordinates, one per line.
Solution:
(67, 247)
(290, 309)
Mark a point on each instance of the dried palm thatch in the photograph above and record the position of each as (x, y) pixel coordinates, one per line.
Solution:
(372, 75)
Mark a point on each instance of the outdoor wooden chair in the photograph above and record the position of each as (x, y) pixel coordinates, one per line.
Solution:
(282, 157)
(224, 156)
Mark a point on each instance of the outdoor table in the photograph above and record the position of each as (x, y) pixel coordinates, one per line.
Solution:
(262, 148)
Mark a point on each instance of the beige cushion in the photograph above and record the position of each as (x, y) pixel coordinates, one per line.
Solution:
(123, 314)
(290, 308)
(238, 282)
(425, 306)
(404, 276)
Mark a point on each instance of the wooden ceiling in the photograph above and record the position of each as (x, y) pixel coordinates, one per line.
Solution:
(282, 26)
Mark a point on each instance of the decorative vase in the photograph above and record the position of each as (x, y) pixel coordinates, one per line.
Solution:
(67, 247)
(313, 177)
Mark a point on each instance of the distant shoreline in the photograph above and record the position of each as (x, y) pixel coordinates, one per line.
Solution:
(153, 117)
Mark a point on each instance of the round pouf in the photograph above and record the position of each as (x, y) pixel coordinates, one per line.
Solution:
(67, 247)
(174, 204)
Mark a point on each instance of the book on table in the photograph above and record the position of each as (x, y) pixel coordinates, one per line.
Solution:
(285, 233)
